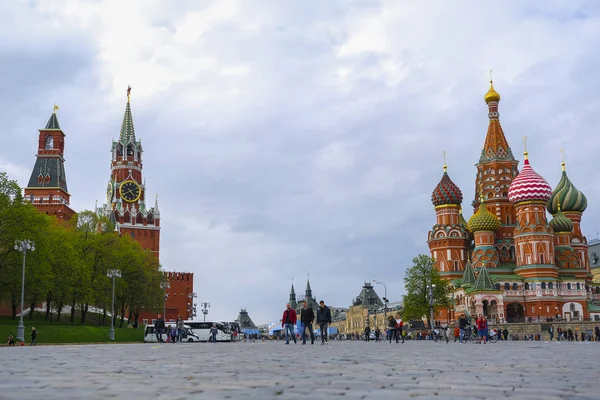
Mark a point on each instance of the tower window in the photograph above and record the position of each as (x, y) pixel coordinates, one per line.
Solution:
(543, 285)
(49, 143)
(515, 286)
(507, 286)
(541, 258)
(456, 265)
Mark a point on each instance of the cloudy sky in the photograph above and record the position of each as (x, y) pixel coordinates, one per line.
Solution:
(288, 138)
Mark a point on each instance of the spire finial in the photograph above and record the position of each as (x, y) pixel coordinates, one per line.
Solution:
(481, 192)
(128, 93)
(525, 153)
(558, 206)
(55, 108)
(562, 153)
(490, 72)
(445, 166)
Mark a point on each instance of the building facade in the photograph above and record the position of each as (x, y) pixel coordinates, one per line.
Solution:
(508, 261)
(47, 187)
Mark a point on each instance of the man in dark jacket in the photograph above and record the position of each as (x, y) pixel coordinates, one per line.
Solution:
(462, 325)
(323, 319)
(288, 321)
(307, 316)
(159, 328)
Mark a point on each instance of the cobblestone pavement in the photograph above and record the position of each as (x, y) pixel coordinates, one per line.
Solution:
(354, 370)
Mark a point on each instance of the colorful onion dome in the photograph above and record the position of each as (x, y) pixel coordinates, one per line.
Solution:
(446, 192)
(560, 223)
(567, 195)
(491, 95)
(529, 186)
(483, 220)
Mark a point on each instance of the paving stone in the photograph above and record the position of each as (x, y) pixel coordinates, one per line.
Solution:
(272, 370)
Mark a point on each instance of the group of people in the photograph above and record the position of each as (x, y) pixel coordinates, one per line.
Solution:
(307, 318)
(11, 341)
(173, 332)
(464, 326)
(569, 335)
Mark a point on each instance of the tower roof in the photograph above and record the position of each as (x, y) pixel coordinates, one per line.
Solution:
(368, 297)
(468, 277)
(484, 280)
(244, 320)
(529, 185)
(483, 220)
(127, 134)
(566, 195)
(446, 192)
(53, 121)
(495, 146)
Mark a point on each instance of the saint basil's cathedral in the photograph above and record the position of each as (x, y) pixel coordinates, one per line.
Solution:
(508, 261)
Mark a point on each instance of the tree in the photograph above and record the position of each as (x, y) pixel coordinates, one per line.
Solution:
(417, 279)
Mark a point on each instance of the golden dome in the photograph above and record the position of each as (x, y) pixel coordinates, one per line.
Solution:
(492, 95)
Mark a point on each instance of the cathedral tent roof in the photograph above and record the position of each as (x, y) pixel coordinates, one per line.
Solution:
(468, 276)
(484, 281)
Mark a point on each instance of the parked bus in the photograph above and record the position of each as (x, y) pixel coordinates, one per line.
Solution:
(202, 330)
(186, 336)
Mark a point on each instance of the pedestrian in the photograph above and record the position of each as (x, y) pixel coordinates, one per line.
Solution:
(213, 333)
(307, 317)
(456, 333)
(10, 340)
(288, 321)
(323, 319)
(597, 331)
(462, 325)
(367, 333)
(377, 334)
(482, 329)
(505, 333)
(551, 332)
(159, 328)
(179, 326)
(399, 325)
(33, 337)
(392, 328)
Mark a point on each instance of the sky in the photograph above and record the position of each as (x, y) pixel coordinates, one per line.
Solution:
(296, 138)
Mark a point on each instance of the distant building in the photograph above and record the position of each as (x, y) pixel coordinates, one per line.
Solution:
(246, 323)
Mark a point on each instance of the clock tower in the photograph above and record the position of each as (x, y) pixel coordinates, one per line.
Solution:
(127, 205)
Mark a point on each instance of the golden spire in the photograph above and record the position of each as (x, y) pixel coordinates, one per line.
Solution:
(558, 206)
(562, 152)
(491, 95)
(445, 166)
(525, 153)
(55, 108)
(128, 93)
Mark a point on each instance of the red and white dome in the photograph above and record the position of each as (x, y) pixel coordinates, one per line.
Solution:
(529, 186)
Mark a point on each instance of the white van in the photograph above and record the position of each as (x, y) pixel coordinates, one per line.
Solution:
(187, 335)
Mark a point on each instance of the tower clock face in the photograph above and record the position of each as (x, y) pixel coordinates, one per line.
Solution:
(130, 191)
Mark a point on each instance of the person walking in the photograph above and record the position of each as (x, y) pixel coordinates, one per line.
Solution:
(288, 321)
(33, 337)
(367, 333)
(399, 326)
(551, 332)
(377, 334)
(179, 327)
(482, 327)
(462, 325)
(456, 333)
(159, 328)
(392, 328)
(307, 317)
(213, 333)
(323, 319)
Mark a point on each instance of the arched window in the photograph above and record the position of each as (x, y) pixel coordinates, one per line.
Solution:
(515, 286)
(512, 253)
(543, 285)
(568, 286)
(129, 150)
(49, 142)
(497, 286)
(526, 285)
(120, 150)
(550, 285)
(532, 286)
(578, 286)
(507, 286)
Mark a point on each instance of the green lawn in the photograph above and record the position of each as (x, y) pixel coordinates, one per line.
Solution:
(65, 332)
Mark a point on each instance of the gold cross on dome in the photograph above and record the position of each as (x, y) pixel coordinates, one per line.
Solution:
(562, 153)
(444, 155)
(490, 72)
(525, 143)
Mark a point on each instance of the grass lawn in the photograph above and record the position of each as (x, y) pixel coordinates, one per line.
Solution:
(65, 332)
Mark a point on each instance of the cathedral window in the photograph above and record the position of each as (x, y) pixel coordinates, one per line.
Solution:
(515, 286)
(568, 286)
(526, 285)
(497, 286)
(49, 143)
(578, 286)
(456, 268)
(541, 258)
(507, 286)
(550, 285)
(543, 285)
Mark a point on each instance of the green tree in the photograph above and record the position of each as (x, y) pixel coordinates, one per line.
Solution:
(417, 279)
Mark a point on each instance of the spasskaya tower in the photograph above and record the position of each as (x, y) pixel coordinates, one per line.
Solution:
(126, 198)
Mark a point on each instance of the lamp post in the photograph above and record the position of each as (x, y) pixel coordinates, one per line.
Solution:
(23, 246)
(205, 307)
(191, 305)
(431, 287)
(165, 286)
(385, 298)
(113, 273)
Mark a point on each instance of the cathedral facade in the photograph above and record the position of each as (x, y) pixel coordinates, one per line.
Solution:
(508, 261)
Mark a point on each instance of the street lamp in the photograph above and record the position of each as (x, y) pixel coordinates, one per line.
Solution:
(191, 305)
(431, 287)
(23, 246)
(165, 286)
(205, 306)
(385, 298)
(113, 273)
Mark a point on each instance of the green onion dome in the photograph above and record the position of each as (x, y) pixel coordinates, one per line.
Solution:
(462, 221)
(567, 195)
(483, 220)
(560, 223)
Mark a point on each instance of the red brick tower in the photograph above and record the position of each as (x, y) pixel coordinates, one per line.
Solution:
(47, 187)
(180, 300)
(127, 204)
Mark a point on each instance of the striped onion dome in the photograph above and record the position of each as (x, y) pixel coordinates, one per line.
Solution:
(446, 192)
(483, 220)
(560, 223)
(529, 186)
(567, 195)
